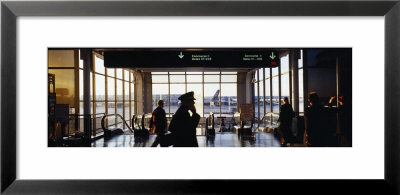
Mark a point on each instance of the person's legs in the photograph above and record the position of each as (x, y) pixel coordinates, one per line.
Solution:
(156, 141)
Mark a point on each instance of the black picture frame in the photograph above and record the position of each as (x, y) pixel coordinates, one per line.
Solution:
(11, 10)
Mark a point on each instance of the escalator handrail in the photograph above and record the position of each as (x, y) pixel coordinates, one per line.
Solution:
(143, 117)
(84, 115)
(133, 121)
(103, 126)
(268, 114)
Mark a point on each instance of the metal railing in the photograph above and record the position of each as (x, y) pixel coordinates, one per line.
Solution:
(269, 119)
(76, 123)
(106, 123)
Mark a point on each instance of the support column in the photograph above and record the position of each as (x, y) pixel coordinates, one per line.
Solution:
(337, 82)
(294, 69)
(139, 92)
(241, 89)
(280, 86)
(305, 79)
(86, 56)
(76, 100)
(249, 89)
(147, 93)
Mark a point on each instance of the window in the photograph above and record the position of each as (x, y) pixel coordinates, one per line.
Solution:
(198, 95)
(266, 98)
(214, 91)
(114, 92)
(176, 90)
(228, 99)
(211, 99)
(160, 92)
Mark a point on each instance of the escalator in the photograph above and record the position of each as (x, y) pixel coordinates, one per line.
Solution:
(114, 124)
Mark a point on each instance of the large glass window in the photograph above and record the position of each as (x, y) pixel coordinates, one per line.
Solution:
(208, 88)
(119, 73)
(61, 58)
(160, 92)
(211, 78)
(261, 97)
(110, 72)
(285, 87)
(65, 86)
(228, 99)
(267, 94)
(100, 87)
(99, 65)
(176, 90)
(198, 95)
(132, 97)
(61, 63)
(114, 91)
(275, 94)
(111, 95)
(111, 89)
(211, 99)
(120, 103)
(160, 78)
(256, 95)
(177, 79)
(267, 77)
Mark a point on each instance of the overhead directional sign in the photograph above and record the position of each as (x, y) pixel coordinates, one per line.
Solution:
(272, 56)
(216, 58)
(181, 55)
(274, 60)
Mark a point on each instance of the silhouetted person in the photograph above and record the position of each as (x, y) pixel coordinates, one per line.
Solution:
(344, 120)
(159, 122)
(183, 124)
(285, 117)
(317, 131)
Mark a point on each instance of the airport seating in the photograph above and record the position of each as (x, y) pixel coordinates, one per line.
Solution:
(210, 130)
(244, 129)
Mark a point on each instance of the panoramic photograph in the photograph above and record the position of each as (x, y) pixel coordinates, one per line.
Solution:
(199, 97)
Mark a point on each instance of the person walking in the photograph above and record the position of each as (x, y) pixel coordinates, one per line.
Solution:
(184, 122)
(159, 122)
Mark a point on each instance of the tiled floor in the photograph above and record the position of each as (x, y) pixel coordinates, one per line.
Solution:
(220, 140)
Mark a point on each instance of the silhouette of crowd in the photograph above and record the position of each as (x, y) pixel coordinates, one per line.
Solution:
(324, 126)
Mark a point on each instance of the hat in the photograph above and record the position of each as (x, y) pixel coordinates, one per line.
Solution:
(187, 96)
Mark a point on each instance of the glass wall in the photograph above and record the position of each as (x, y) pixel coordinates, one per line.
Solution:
(214, 91)
(266, 99)
(61, 64)
(113, 94)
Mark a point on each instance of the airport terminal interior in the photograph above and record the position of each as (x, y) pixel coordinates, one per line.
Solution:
(245, 97)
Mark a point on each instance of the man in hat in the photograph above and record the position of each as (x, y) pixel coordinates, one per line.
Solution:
(184, 122)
